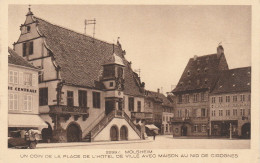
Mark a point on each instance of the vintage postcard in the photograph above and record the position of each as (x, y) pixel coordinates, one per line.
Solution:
(93, 82)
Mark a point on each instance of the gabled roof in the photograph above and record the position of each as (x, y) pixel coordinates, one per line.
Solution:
(81, 57)
(15, 59)
(158, 97)
(234, 80)
(201, 73)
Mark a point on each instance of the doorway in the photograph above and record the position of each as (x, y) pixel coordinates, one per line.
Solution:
(114, 133)
(109, 106)
(123, 133)
(184, 131)
(245, 131)
(73, 133)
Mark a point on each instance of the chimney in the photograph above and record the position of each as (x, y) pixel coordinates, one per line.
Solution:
(158, 90)
(195, 57)
(220, 50)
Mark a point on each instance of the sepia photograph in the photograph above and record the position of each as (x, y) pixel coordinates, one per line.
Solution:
(89, 76)
(99, 82)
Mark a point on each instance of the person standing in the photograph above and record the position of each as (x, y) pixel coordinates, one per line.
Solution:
(154, 135)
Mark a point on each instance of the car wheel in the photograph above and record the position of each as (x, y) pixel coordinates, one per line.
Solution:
(32, 145)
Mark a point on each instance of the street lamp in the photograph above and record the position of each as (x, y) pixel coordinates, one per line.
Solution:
(230, 131)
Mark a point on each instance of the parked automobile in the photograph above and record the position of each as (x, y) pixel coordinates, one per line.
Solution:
(24, 139)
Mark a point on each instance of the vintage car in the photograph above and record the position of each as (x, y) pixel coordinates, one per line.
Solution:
(23, 139)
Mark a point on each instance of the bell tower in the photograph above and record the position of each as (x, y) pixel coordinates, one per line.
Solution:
(113, 80)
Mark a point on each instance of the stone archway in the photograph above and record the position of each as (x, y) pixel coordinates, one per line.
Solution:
(47, 133)
(245, 130)
(74, 133)
(114, 133)
(123, 133)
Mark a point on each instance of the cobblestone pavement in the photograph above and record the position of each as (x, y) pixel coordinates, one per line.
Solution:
(161, 142)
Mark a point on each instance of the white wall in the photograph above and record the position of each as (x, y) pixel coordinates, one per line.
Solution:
(104, 135)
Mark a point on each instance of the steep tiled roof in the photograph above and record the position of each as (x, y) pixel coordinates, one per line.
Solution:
(15, 59)
(234, 80)
(201, 73)
(81, 57)
(159, 97)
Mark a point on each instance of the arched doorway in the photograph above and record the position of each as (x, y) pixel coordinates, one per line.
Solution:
(73, 133)
(184, 131)
(47, 133)
(123, 133)
(245, 130)
(114, 133)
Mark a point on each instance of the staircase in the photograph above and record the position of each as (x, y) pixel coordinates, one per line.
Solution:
(105, 121)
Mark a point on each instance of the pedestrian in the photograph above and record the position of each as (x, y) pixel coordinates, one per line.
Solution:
(154, 135)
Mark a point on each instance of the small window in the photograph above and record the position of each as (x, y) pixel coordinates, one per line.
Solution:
(27, 48)
(96, 99)
(139, 106)
(70, 99)
(131, 104)
(27, 79)
(196, 128)
(188, 73)
(234, 98)
(206, 81)
(206, 69)
(203, 112)
(28, 28)
(111, 84)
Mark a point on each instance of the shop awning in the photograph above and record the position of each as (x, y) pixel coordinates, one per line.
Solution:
(152, 127)
(26, 120)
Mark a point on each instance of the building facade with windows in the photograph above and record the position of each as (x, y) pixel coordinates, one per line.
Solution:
(87, 88)
(162, 111)
(191, 113)
(230, 104)
(23, 95)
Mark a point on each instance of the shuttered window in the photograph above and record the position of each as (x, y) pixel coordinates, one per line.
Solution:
(27, 48)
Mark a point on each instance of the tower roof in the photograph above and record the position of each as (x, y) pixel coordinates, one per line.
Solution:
(114, 59)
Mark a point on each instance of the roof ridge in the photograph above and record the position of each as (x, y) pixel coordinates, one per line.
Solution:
(206, 55)
(75, 31)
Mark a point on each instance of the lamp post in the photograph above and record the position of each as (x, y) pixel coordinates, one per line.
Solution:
(230, 131)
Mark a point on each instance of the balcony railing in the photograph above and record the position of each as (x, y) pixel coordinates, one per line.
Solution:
(63, 109)
(141, 115)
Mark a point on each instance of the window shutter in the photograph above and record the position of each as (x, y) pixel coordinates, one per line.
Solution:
(21, 78)
(34, 80)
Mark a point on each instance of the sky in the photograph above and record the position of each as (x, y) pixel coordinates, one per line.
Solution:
(157, 39)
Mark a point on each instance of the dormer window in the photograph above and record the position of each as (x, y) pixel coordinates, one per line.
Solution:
(188, 73)
(233, 74)
(206, 81)
(28, 29)
(248, 83)
(198, 70)
(248, 72)
(206, 69)
(234, 85)
(189, 82)
(181, 83)
(220, 86)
